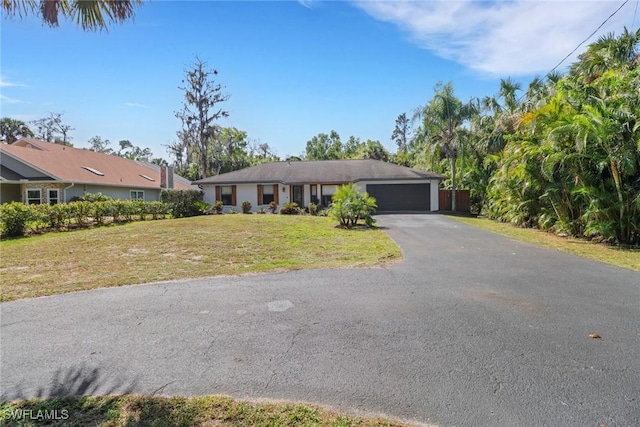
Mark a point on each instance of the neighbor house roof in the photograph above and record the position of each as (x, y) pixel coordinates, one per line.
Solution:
(320, 171)
(67, 164)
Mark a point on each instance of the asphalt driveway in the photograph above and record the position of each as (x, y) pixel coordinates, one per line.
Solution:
(470, 329)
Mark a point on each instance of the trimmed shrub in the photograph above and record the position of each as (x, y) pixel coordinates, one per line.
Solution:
(14, 217)
(102, 210)
(81, 211)
(290, 208)
(273, 206)
(91, 197)
(246, 207)
(183, 202)
(313, 208)
(218, 206)
(158, 210)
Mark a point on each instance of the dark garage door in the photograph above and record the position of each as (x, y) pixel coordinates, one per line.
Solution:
(401, 197)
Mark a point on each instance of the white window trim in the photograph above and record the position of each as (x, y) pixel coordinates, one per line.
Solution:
(137, 199)
(57, 198)
(26, 195)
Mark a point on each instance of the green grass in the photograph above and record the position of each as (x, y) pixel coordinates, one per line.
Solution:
(132, 411)
(204, 246)
(627, 258)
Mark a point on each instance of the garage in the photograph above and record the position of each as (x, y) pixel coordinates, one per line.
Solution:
(401, 197)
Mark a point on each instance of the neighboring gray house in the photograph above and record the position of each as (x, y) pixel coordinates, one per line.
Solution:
(396, 188)
(35, 171)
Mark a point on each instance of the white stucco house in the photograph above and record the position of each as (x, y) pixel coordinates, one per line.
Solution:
(396, 188)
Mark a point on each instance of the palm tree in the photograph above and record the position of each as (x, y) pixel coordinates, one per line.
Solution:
(90, 15)
(608, 53)
(442, 121)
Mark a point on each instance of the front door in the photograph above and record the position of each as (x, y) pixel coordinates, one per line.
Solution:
(297, 194)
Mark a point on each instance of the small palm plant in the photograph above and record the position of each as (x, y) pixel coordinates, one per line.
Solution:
(348, 206)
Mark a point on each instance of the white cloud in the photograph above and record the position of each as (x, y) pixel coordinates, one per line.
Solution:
(8, 100)
(502, 38)
(135, 104)
(307, 3)
(7, 83)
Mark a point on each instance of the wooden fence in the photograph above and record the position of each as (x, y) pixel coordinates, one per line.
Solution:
(463, 200)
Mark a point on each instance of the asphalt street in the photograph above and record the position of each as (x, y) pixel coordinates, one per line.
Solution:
(471, 329)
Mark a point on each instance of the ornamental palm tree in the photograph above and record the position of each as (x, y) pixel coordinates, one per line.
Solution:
(442, 121)
(608, 53)
(90, 15)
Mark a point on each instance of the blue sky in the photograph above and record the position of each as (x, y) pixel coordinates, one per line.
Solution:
(292, 69)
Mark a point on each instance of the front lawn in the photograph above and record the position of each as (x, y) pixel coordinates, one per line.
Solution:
(184, 248)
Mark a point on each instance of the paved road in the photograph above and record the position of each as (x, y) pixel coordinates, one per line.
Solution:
(471, 329)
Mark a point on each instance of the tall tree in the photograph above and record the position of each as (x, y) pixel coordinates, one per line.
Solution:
(89, 15)
(200, 110)
(100, 145)
(133, 152)
(401, 133)
(374, 150)
(442, 120)
(53, 129)
(324, 147)
(11, 130)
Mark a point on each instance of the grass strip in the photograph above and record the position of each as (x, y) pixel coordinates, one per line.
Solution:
(137, 410)
(620, 257)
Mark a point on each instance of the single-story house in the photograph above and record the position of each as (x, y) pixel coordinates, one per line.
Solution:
(35, 171)
(396, 188)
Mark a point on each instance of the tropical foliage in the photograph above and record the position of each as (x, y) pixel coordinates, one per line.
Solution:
(562, 156)
(89, 15)
(348, 206)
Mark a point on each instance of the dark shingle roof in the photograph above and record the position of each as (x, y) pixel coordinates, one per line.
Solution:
(321, 171)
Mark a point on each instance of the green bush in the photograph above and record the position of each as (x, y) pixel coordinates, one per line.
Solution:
(102, 210)
(157, 210)
(14, 217)
(246, 207)
(218, 206)
(59, 215)
(313, 208)
(81, 211)
(348, 206)
(290, 208)
(91, 197)
(273, 206)
(183, 202)
(262, 210)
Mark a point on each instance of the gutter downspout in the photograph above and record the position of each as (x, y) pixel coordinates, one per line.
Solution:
(64, 192)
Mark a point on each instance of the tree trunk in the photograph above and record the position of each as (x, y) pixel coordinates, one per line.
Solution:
(453, 183)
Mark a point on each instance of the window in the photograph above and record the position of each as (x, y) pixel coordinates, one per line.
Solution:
(137, 195)
(34, 196)
(314, 194)
(226, 194)
(53, 196)
(267, 195)
(327, 193)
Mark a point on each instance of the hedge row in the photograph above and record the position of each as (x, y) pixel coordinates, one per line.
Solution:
(18, 219)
